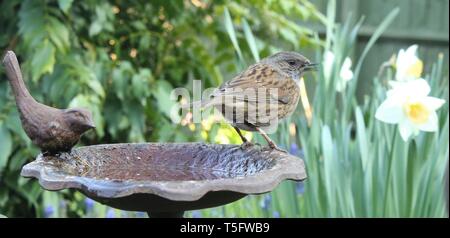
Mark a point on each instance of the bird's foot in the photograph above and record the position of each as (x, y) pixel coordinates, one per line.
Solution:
(246, 145)
(272, 146)
(280, 150)
(49, 154)
(52, 153)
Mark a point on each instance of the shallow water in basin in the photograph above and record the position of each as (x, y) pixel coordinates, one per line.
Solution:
(156, 173)
(154, 162)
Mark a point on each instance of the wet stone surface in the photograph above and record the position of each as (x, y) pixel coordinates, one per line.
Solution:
(157, 162)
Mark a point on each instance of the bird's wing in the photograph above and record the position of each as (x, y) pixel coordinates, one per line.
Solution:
(258, 79)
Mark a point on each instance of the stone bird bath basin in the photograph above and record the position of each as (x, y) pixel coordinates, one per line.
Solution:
(165, 180)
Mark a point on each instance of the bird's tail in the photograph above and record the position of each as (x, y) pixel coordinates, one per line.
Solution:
(14, 75)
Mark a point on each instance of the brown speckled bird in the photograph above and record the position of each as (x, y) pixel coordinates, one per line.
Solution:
(264, 93)
(51, 129)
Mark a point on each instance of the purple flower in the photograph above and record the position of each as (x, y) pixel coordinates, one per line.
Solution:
(294, 149)
(196, 214)
(214, 213)
(89, 203)
(110, 213)
(300, 188)
(265, 202)
(48, 211)
(276, 214)
(141, 214)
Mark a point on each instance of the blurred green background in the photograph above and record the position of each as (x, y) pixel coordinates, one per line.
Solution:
(121, 59)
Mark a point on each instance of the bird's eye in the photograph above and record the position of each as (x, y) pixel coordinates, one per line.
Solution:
(292, 62)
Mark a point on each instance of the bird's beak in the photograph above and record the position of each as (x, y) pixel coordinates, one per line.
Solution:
(311, 67)
(91, 125)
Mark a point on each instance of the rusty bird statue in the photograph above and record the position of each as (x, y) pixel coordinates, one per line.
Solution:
(52, 130)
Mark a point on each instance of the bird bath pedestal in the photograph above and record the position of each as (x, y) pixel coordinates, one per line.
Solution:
(165, 180)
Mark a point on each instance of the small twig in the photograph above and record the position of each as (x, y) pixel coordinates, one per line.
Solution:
(387, 64)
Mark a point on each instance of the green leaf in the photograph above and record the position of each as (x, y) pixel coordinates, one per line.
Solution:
(58, 33)
(95, 28)
(43, 60)
(328, 158)
(65, 5)
(289, 36)
(331, 15)
(96, 87)
(79, 101)
(139, 25)
(362, 138)
(137, 122)
(32, 23)
(140, 85)
(163, 90)
(232, 33)
(121, 79)
(376, 34)
(18, 160)
(5, 146)
(144, 42)
(14, 124)
(250, 40)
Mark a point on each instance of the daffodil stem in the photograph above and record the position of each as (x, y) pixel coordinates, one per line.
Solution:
(388, 181)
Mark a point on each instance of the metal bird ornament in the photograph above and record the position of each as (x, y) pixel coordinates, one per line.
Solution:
(52, 130)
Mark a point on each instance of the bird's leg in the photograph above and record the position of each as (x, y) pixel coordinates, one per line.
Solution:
(244, 140)
(48, 153)
(245, 143)
(270, 141)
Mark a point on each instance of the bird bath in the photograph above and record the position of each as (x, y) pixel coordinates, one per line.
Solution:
(165, 180)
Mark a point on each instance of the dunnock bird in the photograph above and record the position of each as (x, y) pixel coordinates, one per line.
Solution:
(51, 129)
(261, 95)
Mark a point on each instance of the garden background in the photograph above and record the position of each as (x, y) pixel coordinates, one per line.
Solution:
(121, 59)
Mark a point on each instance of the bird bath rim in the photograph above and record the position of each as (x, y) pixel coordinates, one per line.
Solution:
(286, 167)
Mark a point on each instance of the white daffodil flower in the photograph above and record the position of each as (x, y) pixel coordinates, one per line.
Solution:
(408, 65)
(345, 73)
(409, 106)
(328, 60)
